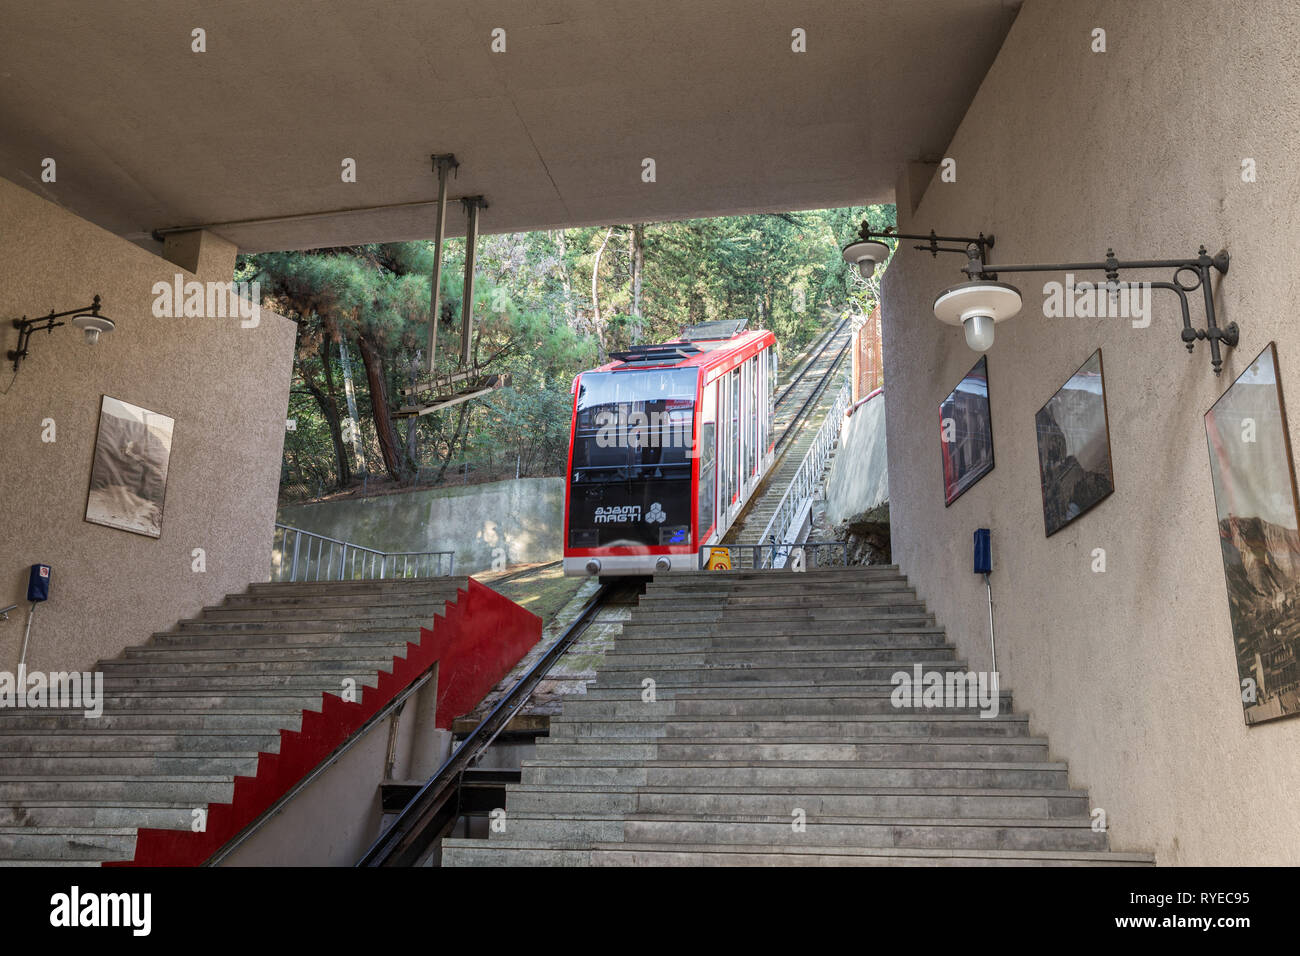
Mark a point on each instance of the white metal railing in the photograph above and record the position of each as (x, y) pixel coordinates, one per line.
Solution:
(803, 486)
(298, 555)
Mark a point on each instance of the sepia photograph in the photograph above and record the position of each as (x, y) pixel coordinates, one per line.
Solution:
(1255, 497)
(1074, 447)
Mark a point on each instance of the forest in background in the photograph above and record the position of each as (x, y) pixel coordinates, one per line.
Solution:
(547, 305)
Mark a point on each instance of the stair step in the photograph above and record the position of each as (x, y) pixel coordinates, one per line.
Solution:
(378, 637)
(597, 772)
(900, 657)
(784, 702)
(57, 843)
(141, 721)
(907, 727)
(669, 641)
(109, 764)
(369, 587)
(369, 650)
(196, 789)
(815, 801)
(783, 749)
(637, 627)
(671, 675)
(1070, 833)
(422, 610)
(109, 741)
(70, 815)
(170, 667)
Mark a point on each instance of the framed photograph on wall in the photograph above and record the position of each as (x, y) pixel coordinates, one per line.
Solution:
(966, 432)
(1259, 535)
(128, 480)
(1074, 447)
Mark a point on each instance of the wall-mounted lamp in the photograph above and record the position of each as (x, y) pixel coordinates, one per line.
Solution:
(983, 301)
(868, 251)
(87, 319)
(979, 304)
(976, 306)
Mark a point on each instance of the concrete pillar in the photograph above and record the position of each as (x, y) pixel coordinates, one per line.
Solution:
(430, 745)
(201, 253)
(909, 190)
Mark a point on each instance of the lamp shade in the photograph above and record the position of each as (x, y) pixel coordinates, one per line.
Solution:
(866, 254)
(976, 306)
(92, 325)
(997, 300)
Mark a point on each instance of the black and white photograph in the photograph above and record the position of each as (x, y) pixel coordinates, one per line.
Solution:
(1074, 447)
(128, 481)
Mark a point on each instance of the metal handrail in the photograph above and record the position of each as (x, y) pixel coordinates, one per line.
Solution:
(317, 560)
(803, 486)
(798, 555)
(863, 400)
(425, 815)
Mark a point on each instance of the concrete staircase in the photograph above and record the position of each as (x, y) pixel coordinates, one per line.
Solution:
(187, 712)
(773, 697)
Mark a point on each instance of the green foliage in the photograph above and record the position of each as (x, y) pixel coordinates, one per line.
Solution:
(536, 318)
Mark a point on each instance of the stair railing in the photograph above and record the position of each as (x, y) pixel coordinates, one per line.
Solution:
(804, 484)
(298, 555)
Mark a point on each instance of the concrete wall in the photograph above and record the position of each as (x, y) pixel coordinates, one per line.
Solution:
(225, 386)
(858, 485)
(521, 517)
(338, 814)
(1063, 152)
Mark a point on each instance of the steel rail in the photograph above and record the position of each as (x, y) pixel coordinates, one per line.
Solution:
(813, 398)
(809, 364)
(405, 842)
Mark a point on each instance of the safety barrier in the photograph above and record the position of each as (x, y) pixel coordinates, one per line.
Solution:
(797, 500)
(298, 555)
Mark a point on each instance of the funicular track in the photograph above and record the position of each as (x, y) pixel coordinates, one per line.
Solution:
(800, 408)
(412, 838)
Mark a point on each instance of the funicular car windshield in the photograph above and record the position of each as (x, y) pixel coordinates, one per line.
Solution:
(632, 457)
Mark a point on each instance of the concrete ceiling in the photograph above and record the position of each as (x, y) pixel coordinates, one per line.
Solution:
(147, 134)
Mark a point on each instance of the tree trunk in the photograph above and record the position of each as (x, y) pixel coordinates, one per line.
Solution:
(638, 266)
(566, 280)
(327, 399)
(412, 427)
(331, 414)
(354, 421)
(461, 423)
(382, 414)
(595, 297)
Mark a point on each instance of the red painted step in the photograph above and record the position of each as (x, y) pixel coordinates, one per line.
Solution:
(476, 643)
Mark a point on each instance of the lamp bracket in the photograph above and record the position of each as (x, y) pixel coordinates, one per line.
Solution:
(1189, 275)
(46, 323)
(932, 240)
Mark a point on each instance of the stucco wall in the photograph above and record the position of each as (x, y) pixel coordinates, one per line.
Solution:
(1064, 152)
(225, 386)
(858, 483)
(518, 520)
